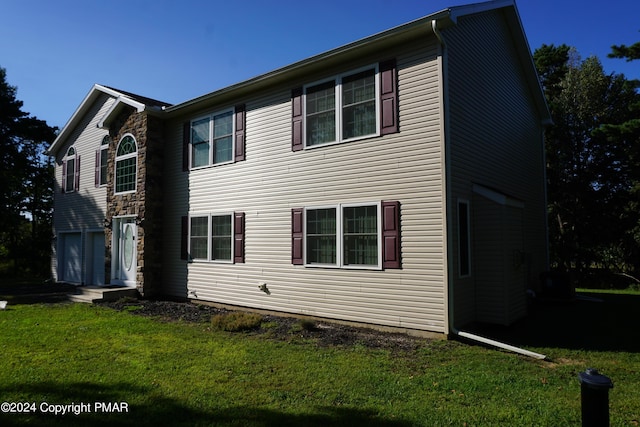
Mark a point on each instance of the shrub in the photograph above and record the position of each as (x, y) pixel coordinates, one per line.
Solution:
(304, 325)
(236, 321)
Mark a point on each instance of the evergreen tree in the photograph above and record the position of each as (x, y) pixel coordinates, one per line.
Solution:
(589, 170)
(26, 182)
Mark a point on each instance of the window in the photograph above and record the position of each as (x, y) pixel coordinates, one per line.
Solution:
(101, 161)
(348, 235)
(360, 230)
(359, 116)
(70, 180)
(199, 236)
(322, 236)
(215, 139)
(221, 237)
(342, 109)
(464, 239)
(216, 237)
(360, 104)
(126, 165)
(343, 236)
(212, 140)
(70, 171)
(321, 113)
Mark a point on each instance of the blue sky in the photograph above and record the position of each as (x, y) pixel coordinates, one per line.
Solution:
(54, 51)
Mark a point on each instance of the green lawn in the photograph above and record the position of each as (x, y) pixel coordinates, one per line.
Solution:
(190, 375)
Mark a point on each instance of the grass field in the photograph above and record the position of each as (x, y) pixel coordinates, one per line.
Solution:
(188, 374)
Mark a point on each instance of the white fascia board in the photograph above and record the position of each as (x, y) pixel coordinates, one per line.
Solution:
(79, 113)
(117, 105)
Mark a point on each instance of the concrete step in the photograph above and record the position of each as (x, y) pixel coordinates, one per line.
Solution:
(91, 294)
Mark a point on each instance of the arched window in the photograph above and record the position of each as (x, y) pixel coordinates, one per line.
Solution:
(70, 171)
(126, 165)
(101, 161)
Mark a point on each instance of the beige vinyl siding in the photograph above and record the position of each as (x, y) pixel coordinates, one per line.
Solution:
(405, 166)
(83, 210)
(495, 138)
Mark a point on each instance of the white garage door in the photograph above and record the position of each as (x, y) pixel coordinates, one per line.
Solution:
(71, 266)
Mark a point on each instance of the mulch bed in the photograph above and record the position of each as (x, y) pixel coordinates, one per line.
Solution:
(279, 327)
(324, 333)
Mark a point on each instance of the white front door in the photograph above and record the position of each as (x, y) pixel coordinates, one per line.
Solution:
(125, 252)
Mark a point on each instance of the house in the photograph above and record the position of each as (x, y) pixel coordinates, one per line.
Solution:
(395, 181)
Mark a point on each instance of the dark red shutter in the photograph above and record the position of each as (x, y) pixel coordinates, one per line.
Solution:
(96, 178)
(241, 120)
(391, 235)
(297, 127)
(238, 237)
(184, 238)
(388, 97)
(297, 236)
(63, 184)
(76, 177)
(186, 140)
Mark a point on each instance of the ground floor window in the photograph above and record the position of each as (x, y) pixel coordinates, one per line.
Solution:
(210, 237)
(464, 239)
(343, 236)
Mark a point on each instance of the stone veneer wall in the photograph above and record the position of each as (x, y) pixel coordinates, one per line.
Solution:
(146, 203)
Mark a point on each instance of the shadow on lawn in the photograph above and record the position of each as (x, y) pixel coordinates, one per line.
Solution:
(162, 411)
(610, 324)
(16, 292)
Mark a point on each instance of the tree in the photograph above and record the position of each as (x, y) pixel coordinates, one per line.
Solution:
(590, 175)
(629, 53)
(629, 132)
(26, 180)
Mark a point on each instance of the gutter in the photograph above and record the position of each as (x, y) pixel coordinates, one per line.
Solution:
(450, 289)
(286, 73)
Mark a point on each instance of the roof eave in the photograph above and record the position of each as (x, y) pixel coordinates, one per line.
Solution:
(388, 37)
(93, 94)
(120, 102)
(522, 46)
(77, 116)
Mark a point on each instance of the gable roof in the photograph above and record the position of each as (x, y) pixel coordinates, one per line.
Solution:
(123, 98)
(429, 24)
(521, 43)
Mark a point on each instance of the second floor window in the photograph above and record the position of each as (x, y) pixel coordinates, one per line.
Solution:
(126, 165)
(101, 161)
(212, 139)
(70, 171)
(342, 109)
(359, 104)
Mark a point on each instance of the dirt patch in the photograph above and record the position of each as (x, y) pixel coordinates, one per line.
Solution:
(276, 327)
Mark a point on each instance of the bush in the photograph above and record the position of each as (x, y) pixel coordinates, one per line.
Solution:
(304, 325)
(236, 321)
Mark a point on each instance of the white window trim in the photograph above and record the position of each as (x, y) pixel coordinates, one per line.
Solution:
(340, 236)
(210, 117)
(125, 157)
(209, 216)
(468, 208)
(103, 147)
(338, 106)
(67, 159)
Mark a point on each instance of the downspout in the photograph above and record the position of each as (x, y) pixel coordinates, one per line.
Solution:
(450, 291)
